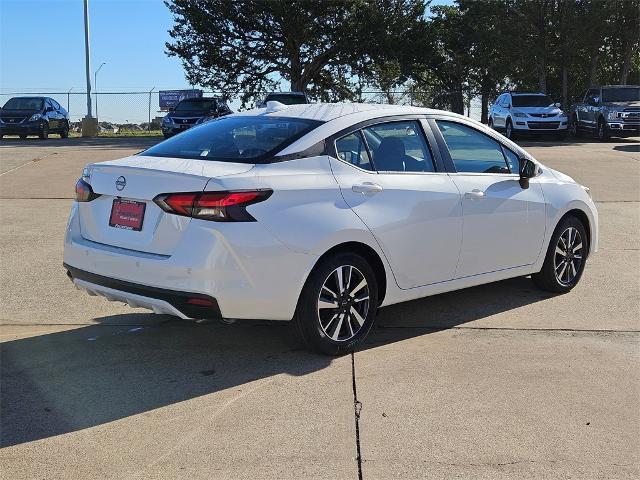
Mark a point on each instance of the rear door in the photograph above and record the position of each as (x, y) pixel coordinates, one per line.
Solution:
(392, 182)
(503, 223)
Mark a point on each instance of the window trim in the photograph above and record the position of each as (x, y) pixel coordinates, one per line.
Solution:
(429, 137)
(366, 148)
(447, 155)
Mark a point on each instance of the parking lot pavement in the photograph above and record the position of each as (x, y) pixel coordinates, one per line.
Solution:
(498, 381)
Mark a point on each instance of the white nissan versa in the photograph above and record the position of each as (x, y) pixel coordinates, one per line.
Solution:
(321, 213)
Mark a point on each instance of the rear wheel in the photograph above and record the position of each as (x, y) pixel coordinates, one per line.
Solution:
(338, 303)
(44, 131)
(566, 257)
(573, 127)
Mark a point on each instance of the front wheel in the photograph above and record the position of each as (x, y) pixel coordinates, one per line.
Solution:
(508, 130)
(603, 131)
(565, 259)
(573, 127)
(44, 131)
(337, 306)
(64, 133)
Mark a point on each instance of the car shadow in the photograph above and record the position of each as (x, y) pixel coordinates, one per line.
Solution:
(635, 148)
(130, 364)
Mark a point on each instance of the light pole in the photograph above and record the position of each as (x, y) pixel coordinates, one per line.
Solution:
(95, 85)
(89, 124)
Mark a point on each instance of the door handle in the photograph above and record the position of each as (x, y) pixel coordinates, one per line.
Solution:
(474, 194)
(366, 188)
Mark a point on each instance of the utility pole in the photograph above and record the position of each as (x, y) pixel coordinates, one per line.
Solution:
(89, 124)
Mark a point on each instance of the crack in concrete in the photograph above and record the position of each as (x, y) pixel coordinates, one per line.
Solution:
(357, 408)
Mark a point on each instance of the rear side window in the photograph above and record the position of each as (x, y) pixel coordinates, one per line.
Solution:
(472, 151)
(243, 139)
(351, 149)
(399, 147)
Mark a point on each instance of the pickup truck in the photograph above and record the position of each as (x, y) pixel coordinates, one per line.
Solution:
(608, 111)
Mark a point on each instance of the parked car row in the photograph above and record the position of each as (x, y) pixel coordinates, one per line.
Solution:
(612, 110)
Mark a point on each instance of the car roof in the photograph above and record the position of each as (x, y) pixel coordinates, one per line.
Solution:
(326, 112)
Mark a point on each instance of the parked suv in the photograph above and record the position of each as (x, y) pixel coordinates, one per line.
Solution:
(612, 110)
(524, 112)
(40, 116)
(286, 98)
(191, 111)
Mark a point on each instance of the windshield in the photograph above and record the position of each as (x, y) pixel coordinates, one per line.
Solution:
(243, 139)
(630, 94)
(531, 101)
(195, 106)
(24, 104)
(286, 99)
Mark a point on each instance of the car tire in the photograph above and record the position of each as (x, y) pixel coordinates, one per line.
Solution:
(565, 258)
(508, 130)
(64, 133)
(602, 133)
(330, 320)
(574, 131)
(44, 131)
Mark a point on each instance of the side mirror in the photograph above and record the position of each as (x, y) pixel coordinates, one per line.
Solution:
(528, 169)
(557, 104)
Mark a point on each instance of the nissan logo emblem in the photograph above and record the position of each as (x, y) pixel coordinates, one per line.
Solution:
(121, 182)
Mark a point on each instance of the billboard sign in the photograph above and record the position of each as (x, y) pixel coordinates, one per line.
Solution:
(170, 98)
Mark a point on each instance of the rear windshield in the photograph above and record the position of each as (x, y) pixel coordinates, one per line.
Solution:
(195, 106)
(24, 104)
(531, 101)
(630, 94)
(243, 139)
(286, 99)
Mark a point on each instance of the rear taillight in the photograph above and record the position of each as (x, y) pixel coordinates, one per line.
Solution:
(216, 206)
(84, 192)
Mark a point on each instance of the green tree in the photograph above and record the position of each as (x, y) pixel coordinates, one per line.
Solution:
(245, 47)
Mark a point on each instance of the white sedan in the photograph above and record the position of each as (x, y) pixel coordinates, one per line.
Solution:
(322, 213)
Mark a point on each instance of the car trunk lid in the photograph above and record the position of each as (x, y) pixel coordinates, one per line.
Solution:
(137, 181)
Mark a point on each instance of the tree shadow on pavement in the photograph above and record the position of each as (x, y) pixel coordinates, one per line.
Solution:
(130, 364)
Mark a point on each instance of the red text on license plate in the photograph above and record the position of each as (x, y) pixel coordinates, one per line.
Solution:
(127, 214)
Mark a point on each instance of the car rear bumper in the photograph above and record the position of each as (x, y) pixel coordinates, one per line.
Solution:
(240, 266)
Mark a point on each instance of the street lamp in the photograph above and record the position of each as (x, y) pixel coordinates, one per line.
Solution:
(95, 85)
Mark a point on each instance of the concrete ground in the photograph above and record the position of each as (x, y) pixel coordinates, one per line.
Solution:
(498, 381)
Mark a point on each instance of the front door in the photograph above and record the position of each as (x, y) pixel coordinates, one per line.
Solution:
(503, 223)
(413, 211)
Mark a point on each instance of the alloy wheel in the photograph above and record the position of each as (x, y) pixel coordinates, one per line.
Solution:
(569, 255)
(343, 303)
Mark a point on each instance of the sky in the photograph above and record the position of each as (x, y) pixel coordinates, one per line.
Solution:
(42, 50)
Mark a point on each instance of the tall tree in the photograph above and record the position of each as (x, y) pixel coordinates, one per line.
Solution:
(245, 47)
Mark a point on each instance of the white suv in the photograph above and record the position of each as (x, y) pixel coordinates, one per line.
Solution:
(322, 213)
(520, 112)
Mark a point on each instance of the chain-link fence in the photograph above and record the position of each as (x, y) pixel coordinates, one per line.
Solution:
(141, 110)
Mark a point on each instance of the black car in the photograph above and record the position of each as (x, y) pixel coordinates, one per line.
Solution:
(39, 116)
(191, 111)
(286, 98)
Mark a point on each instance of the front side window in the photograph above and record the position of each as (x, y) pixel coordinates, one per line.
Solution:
(351, 149)
(512, 160)
(505, 101)
(399, 147)
(243, 139)
(472, 151)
